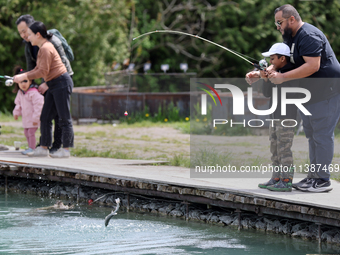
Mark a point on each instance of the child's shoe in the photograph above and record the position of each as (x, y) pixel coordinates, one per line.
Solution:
(26, 151)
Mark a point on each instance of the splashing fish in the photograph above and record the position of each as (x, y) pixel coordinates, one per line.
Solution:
(59, 205)
(108, 218)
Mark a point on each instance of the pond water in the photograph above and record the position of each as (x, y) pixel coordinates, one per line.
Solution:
(25, 230)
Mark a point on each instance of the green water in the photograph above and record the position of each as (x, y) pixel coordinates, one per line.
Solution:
(24, 230)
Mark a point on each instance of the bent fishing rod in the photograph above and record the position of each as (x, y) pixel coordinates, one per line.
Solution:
(262, 65)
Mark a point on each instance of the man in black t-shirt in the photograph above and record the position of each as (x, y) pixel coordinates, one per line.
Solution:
(314, 59)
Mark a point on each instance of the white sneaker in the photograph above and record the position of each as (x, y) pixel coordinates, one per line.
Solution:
(38, 152)
(61, 153)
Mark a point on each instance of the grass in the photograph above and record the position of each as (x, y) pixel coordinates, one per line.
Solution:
(179, 160)
(16, 134)
(209, 156)
(257, 161)
(84, 152)
(7, 117)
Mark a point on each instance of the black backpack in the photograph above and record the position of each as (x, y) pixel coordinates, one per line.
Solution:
(67, 48)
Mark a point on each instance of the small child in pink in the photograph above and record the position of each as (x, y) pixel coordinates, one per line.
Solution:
(28, 104)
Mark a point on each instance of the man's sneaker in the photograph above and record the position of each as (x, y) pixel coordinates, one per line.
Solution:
(320, 186)
(61, 153)
(38, 152)
(27, 151)
(271, 182)
(53, 149)
(282, 186)
(303, 184)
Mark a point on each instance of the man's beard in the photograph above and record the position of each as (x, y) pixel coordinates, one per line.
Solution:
(287, 35)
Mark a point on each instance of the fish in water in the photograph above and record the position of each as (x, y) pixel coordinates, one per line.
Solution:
(108, 218)
(59, 205)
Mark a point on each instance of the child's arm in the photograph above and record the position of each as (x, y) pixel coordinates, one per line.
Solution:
(17, 109)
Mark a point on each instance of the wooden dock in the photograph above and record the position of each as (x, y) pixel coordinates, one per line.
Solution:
(154, 179)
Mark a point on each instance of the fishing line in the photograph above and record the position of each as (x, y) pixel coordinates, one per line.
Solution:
(127, 95)
(261, 64)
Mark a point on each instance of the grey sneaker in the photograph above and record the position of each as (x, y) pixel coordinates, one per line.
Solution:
(61, 153)
(320, 186)
(27, 151)
(38, 152)
(304, 185)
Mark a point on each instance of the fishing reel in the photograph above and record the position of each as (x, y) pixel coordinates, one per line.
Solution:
(262, 65)
(9, 82)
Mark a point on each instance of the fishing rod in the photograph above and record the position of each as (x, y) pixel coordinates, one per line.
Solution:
(262, 65)
(9, 80)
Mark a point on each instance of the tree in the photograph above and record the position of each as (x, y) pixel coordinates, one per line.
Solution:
(100, 33)
(96, 30)
(243, 26)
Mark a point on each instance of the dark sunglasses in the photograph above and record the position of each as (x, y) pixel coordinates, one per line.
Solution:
(279, 23)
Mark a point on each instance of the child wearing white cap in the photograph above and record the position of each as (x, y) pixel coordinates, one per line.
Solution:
(278, 54)
(281, 137)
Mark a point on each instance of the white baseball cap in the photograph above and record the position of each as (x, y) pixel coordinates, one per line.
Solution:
(278, 48)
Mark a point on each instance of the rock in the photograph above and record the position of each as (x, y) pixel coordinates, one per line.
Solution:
(336, 238)
(328, 235)
(304, 233)
(44, 189)
(203, 217)
(166, 210)
(55, 190)
(260, 224)
(314, 230)
(244, 223)
(64, 193)
(226, 219)
(269, 225)
(298, 227)
(110, 200)
(235, 221)
(277, 225)
(214, 219)
(134, 204)
(285, 228)
(153, 206)
(194, 215)
(176, 213)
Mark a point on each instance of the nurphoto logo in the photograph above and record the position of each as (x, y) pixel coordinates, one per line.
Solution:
(239, 103)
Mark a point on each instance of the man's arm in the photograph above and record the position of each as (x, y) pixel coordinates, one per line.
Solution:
(311, 65)
(30, 63)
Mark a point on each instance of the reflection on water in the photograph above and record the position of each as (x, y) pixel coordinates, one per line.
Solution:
(25, 230)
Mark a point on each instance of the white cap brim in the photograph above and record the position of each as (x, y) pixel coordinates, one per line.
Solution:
(267, 54)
